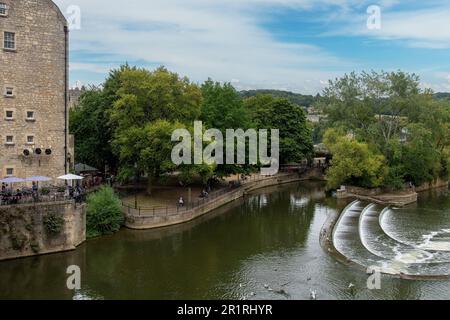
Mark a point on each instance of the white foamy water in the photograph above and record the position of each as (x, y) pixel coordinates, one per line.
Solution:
(436, 240)
(367, 237)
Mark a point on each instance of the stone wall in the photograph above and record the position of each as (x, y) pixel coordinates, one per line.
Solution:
(363, 191)
(389, 197)
(26, 230)
(37, 71)
(439, 183)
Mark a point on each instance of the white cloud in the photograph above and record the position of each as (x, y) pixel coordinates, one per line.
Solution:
(200, 38)
(223, 39)
(438, 81)
(91, 67)
(422, 28)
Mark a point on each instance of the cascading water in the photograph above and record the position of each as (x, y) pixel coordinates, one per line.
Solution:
(367, 234)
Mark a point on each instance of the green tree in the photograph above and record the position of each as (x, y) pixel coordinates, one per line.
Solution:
(104, 212)
(372, 105)
(421, 160)
(353, 162)
(89, 123)
(222, 107)
(145, 96)
(150, 105)
(391, 114)
(268, 112)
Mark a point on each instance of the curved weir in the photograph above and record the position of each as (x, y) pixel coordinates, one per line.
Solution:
(437, 239)
(346, 240)
(381, 244)
(360, 237)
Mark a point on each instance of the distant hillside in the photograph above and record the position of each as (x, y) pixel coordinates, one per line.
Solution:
(300, 99)
(442, 96)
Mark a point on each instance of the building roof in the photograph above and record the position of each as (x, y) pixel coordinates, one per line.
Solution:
(81, 168)
(58, 11)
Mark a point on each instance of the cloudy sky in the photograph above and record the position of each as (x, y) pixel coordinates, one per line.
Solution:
(295, 45)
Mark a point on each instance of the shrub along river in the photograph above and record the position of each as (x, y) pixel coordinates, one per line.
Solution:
(265, 246)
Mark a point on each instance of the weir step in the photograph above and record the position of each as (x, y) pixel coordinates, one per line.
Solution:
(358, 235)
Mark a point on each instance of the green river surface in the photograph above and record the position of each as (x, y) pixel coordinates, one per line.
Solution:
(269, 240)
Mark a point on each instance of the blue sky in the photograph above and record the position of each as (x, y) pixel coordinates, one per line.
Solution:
(295, 45)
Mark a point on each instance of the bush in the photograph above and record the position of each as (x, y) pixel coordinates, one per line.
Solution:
(45, 191)
(104, 212)
(53, 224)
(354, 162)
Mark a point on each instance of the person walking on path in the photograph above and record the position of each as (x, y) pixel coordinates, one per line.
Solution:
(181, 202)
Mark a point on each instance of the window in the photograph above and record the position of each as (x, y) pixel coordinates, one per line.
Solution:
(9, 115)
(30, 115)
(9, 139)
(10, 172)
(9, 40)
(3, 9)
(30, 139)
(9, 92)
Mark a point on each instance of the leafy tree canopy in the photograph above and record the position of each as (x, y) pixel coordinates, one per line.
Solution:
(391, 114)
(268, 113)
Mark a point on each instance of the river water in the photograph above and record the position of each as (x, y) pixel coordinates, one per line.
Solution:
(265, 246)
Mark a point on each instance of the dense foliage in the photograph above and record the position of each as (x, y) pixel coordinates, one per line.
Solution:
(90, 125)
(305, 101)
(268, 112)
(353, 162)
(442, 96)
(53, 224)
(127, 124)
(400, 123)
(104, 212)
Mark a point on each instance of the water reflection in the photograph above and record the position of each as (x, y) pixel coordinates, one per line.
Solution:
(269, 240)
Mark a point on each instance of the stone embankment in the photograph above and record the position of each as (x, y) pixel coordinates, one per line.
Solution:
(138, 218)
(394, 198)
(41, 228)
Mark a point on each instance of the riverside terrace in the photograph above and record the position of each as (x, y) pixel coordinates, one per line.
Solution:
(22, 191)
(24, 195)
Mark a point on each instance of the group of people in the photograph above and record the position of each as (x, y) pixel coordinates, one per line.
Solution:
(10, 196)
(204, 194)
(78, 193)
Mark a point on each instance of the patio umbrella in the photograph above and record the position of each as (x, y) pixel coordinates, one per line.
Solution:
(38, 179)
(12, 180)
(70, 177)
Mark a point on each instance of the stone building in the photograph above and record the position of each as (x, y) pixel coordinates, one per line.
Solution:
(33, 83)
(74, 96)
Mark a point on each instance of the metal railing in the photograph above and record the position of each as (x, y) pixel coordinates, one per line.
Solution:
(27, 196)
(167, 211)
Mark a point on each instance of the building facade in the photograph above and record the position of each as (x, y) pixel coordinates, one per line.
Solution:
(75, 96)
(33, 84)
